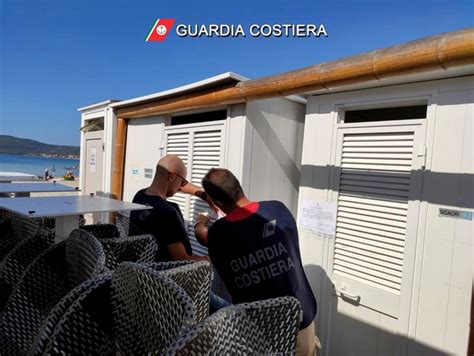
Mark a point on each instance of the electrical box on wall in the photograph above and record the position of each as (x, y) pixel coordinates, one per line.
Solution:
(148, 172)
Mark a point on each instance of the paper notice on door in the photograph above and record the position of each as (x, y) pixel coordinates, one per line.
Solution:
(319, 217)
(93, 159)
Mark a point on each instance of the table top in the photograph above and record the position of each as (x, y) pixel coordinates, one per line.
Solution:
(66, 205)
(11, 176)
(34, 187)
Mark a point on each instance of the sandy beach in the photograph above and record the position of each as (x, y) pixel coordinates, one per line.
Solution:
(69, 183)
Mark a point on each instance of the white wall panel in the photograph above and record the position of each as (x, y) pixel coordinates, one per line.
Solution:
(143, 150)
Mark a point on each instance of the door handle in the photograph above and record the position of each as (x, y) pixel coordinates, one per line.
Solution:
(354, 298)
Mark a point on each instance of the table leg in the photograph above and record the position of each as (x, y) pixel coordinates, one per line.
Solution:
(64, 226)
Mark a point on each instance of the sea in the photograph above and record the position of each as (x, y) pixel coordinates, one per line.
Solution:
(38, 164)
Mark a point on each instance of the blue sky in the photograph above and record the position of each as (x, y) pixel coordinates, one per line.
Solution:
(58, 55)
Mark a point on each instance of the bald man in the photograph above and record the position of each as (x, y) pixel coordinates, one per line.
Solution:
(165, 221)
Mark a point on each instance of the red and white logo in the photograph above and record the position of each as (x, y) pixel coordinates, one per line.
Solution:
(160, 30)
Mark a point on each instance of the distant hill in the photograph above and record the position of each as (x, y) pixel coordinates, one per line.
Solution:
(24, 146)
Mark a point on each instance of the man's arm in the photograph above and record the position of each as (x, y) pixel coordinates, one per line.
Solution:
(193, 189)
(177, 252)
(201, 230)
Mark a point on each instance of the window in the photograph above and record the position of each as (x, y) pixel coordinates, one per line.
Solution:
(385, 114)
(200, 117)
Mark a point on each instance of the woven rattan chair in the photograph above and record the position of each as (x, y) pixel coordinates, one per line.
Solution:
(150, 311)
(263, 327)
(194, 277)
(47, 279)
(102, 231)
(140, 249)
(119, 249)
(18, 259)
(7, 237)
(81, 323)
(123, 224)
(20, 228)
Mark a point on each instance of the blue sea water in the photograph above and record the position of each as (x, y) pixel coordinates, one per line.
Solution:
(37, 165)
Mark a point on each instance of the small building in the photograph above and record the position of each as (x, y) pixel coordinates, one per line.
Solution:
(259, 141)
(377, 166)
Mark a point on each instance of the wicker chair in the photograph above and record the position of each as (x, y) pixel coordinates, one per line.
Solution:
(139, 249)
(15, 228)
(123, 224)
(194, 278)
(149, 310)
(102, 231)
(18, 259)
(48, 278)
(81, 323)
(119, 249)
(7, 237)
(262, 327)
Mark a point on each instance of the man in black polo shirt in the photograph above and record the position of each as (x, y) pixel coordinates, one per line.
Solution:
(165, 221)
(255, 250)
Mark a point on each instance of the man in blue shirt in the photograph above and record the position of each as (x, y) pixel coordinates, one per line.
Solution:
(255, 250)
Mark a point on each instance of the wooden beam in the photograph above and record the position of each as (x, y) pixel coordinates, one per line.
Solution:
(439, 52)
(119, 158)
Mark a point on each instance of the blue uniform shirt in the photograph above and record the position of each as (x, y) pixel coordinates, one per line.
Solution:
(256, 252)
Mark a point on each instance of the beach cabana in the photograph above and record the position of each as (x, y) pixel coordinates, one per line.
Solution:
(384, 182)
(260, 141)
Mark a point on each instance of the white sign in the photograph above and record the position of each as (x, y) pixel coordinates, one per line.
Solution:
(93, 159)
(318, 217)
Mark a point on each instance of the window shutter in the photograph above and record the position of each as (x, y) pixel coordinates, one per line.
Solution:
(200, 149)
(177, 143)
(374, 187)
(206, 154)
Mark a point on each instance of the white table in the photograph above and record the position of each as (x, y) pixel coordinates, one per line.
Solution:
(26, 188)
(17, 176)
(66, 209)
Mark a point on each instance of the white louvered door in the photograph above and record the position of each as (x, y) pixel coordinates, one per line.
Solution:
(378, 181)
(201, 148)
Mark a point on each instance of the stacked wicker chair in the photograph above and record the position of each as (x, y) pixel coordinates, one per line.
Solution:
(194, 278)
(123, 224)
(7, 237)
(15, 228)
(263, 327)
(150, 311)
(17, 261)
(81, 323)
(45, 282)
(141, 248)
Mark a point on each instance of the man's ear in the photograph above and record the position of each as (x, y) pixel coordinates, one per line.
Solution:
(219, 205)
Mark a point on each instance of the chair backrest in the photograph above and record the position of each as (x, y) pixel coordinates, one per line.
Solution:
(17, 260)
(123, 224)
(85, 257)
(81, 323)
(140, 249)
(47, 279)
(195, 278)
(149, 310)
(25, 227)
(102, 231)
(263, 327)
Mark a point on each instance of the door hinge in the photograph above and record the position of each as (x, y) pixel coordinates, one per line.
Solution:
(422, 149)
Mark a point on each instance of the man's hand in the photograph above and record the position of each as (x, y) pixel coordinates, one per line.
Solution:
(200, 228)
(203, 219)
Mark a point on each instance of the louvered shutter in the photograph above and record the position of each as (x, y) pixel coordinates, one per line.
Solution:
(206, 154)
(375, 185)
(200, 147)
(177, 143)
